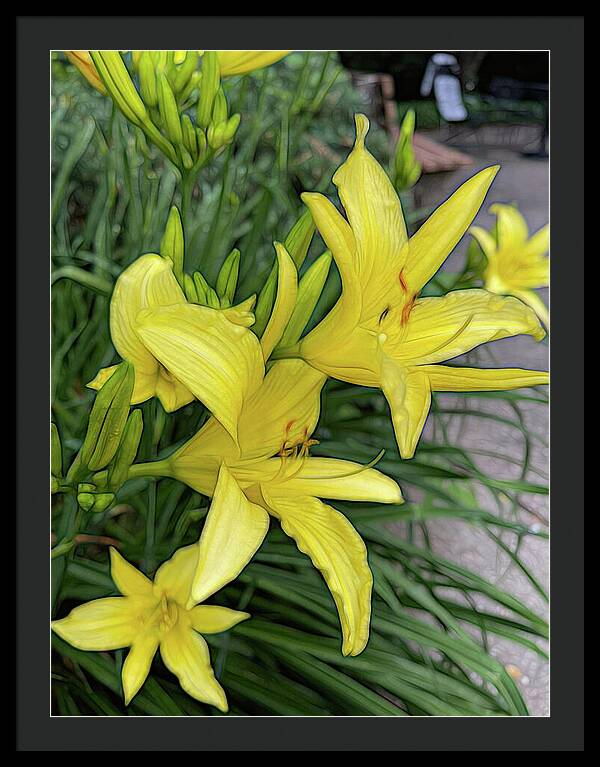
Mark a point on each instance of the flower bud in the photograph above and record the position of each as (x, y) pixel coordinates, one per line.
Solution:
(172, 243)
(208, 89)
(407, 168)
(55, 451)
(108, 418)
(228, 277)
(309, 292)
(296, 243)
(147, 74)
(169, 113)
(127, 450)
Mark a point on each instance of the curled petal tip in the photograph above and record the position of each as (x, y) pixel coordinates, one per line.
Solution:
(362, 128)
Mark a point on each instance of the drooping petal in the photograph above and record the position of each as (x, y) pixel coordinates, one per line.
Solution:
(338, 551)
(218, 361)
(148, 282)
(127, 578)
(185, 654)
(342, 480)
(175, 576)
(212, 619)
(102, 624)
(439, 234)
(450, 378)
(137, 663)
(376, 219)
(285, 300)
(512, 227)
(443, 327)
(532, 299)
(409, 396)
(242, 62)
(232, 532)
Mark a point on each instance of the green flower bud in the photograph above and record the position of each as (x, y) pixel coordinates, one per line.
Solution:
(231, 128)
(147, 74)
(102, 501)
(55, 451)
(169, 113)
(185, 71)
(190, 289)
(309, 292)
(127, 451)
(108, 418)
(219, 112)
(86, 501)
(172, 243)
(189, 135)
(228, 276)
(211, 80)
(296, 243)
(407, 168)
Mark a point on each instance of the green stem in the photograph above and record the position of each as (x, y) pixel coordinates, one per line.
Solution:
(150, 469)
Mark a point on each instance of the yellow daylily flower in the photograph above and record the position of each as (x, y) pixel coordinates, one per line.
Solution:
(380, 333)
(159, 615)
(242, 62)
(516, 262)
(276, 474)
(181, 351)
(83, 61)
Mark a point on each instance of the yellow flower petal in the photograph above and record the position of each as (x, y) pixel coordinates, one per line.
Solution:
(538, 244)
(409, 396)
(338, 551)
(338, 237)
(186, 655)
(232, 532)
(83, 61)
(486, 241)
(102, 624)
(174, 577)
(533, 300)
(242, 62)
(148, 282)
(512, 227)
(436, 238)
(338, 479)
(127, 578)
(444, 327)
(218, 361)
(137, 663)
(282, 410)
(376, 219)
(450, 378)
(285, 301)
(212, 619)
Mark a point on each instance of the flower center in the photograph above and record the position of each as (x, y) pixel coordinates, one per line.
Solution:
(296, 449)
(164, 615)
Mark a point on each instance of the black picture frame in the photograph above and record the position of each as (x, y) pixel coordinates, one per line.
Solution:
(35, 37)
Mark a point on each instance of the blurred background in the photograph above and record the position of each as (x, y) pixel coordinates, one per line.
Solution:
(111, 197)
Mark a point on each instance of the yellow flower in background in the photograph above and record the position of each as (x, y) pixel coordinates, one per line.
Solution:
(83, 61)
(276, 474)
(158, 615)
(516, 262)
(242, 62)
(380, 333)
(181, 351)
